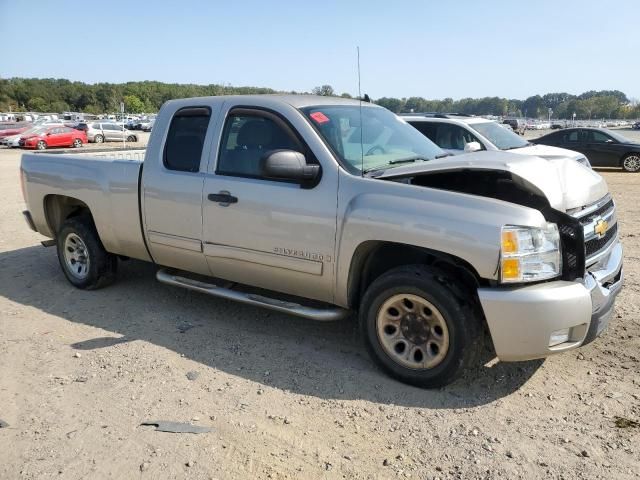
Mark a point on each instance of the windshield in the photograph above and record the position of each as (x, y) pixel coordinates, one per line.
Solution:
(34, 131)
(384, 139)
(502, 138)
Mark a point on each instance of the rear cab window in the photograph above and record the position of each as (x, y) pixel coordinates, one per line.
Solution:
(185, 139)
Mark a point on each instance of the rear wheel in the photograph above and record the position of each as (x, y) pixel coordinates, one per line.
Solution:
(419, 326)
(84, 261)
(631, 163)
(41, 145)
(131, 138)
(77, 143)
(99, 138)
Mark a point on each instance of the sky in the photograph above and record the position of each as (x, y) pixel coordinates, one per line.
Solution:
(433, 49)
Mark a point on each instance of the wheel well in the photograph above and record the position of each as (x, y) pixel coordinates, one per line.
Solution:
(375, 258)
(59, 208)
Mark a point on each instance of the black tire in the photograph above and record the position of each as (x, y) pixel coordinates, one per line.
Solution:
(131, 138)
(41, 145)
(77, 143)
(455, 306)
(98, 138)
(102, 265)
(631, 163)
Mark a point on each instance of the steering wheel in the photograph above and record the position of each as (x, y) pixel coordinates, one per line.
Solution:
(375, 148)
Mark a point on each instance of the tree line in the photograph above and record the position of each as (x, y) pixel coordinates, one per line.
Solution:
(592, 104)
(58, 95)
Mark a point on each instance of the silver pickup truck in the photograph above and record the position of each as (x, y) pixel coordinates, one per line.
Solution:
(320, 207)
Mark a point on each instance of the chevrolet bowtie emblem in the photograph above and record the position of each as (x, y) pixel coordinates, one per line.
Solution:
(601, 228)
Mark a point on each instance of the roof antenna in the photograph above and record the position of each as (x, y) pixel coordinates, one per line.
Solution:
(361, 126)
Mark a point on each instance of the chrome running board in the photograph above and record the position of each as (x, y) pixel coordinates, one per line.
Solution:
(328, 314)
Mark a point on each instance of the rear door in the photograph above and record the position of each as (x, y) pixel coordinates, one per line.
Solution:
(173, 178)
(112, 132)
(572, 140)
(271, 234)
(66, 136)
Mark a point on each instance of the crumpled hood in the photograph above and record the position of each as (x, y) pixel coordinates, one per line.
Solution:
(547, 152)
(565, 183)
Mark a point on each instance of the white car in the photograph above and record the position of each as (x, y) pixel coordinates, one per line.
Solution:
(457, 134)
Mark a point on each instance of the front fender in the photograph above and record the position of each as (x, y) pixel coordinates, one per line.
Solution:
(465, 226)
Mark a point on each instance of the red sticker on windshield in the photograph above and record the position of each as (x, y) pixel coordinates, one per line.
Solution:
(319, 117)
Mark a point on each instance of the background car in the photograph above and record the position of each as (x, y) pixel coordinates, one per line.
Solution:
(458, 134)
(148, 126)
(79, 126)
(54, 137)
(515, 123)
(13, 129)
(636, 126)
(13, 141)
(99, 132)
(604, 148)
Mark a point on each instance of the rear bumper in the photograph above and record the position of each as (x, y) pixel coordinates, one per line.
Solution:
(27, 218)
(523, 320)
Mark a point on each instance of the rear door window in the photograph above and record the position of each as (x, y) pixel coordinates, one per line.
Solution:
(185, 140)
(571, 137)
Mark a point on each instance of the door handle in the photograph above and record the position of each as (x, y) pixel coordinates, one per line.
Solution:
(223, 198)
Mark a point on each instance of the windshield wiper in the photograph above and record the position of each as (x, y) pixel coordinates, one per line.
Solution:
(518, 146)
(397, 162)
(443, 155)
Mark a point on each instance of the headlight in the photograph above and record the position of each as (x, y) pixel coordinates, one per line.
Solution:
(584, 161)
(529, 254)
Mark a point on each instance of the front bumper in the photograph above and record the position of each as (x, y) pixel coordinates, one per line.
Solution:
(522, 320)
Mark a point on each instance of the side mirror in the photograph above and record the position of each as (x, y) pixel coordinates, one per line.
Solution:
(48, 133)
(472, 147)
(288, 165)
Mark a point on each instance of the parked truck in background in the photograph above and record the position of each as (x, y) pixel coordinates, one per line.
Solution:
(320, 207)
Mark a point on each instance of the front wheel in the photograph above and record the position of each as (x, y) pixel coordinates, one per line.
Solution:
(84, 261)
(631, 163)
(99, 139)
(77, 143)
(131, 138)
(41, 145)
(419, 326)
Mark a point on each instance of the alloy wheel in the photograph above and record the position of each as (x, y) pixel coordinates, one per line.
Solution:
(631, 163)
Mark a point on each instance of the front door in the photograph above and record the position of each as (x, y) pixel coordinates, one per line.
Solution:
(601, 149)
(271, 234)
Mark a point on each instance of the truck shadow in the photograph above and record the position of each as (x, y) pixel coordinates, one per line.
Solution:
(325, 360)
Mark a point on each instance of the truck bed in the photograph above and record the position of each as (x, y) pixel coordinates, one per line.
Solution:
(108, 186)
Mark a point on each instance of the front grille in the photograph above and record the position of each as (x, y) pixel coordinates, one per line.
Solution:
(600, 212)
(593, 246)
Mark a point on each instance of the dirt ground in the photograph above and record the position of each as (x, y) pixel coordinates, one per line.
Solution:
(286, 398)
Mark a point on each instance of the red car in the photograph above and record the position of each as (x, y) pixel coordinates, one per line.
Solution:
(54, 137)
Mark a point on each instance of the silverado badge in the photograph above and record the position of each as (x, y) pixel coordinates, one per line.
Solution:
(601, 228)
